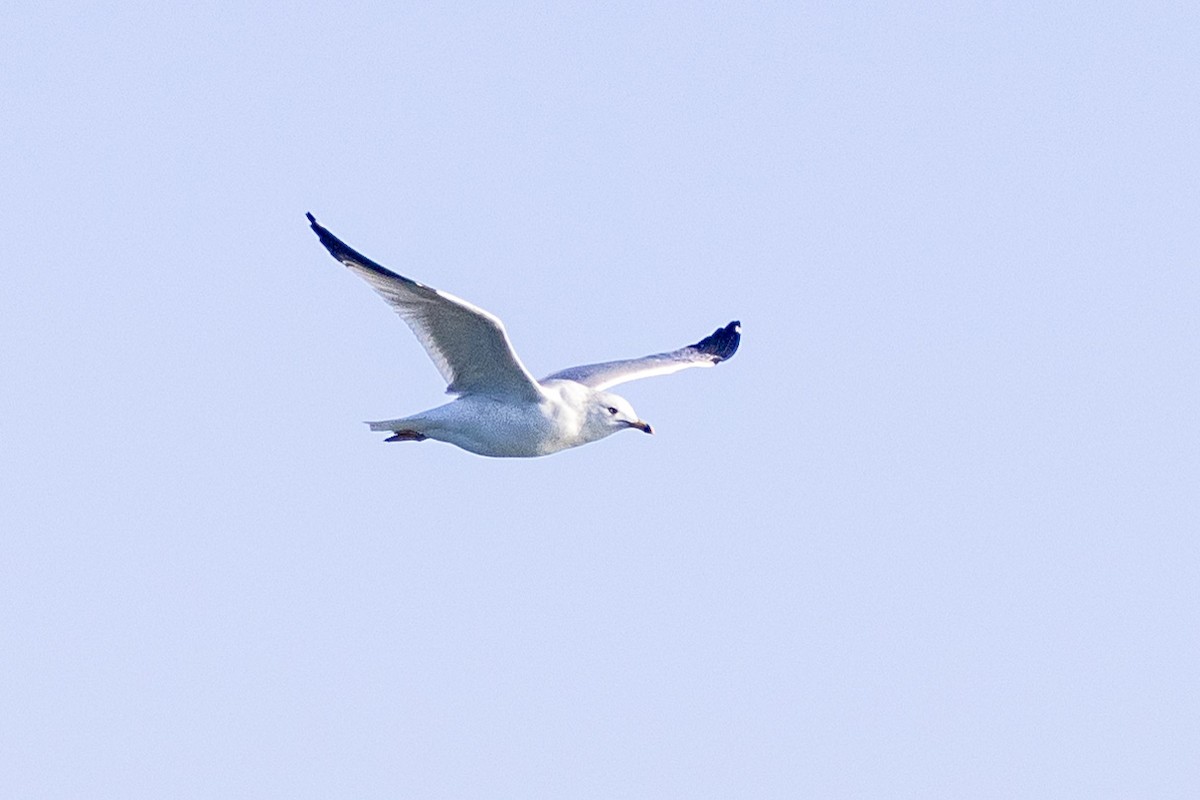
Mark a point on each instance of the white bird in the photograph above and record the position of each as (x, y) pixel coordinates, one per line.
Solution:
(501, 410)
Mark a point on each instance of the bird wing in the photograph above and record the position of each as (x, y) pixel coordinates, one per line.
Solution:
(468, 345)
(708, 352)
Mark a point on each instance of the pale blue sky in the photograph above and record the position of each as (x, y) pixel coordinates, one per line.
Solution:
(932, 533)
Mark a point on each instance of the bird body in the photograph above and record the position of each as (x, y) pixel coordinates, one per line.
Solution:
(502, 411)
(493, 427)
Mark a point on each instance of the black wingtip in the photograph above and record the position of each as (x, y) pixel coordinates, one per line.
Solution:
(336, 247)
(344, 252)
(723, 342)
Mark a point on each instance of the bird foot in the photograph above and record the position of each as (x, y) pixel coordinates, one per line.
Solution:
(406, 436)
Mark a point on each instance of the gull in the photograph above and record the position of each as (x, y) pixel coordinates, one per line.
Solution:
(501, 410)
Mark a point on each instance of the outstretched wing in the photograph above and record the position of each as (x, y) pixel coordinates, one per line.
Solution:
(469, 346)
(708, 352)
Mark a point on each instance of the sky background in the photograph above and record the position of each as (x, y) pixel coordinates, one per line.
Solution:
(932, 533)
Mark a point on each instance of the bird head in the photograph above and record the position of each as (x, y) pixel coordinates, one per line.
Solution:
(608, 413)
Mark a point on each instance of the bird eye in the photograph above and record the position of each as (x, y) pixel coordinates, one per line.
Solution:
(612, 411)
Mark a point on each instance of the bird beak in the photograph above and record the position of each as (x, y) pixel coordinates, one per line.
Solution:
(644, 427)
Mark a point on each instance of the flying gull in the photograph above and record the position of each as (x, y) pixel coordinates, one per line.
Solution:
(501, 410)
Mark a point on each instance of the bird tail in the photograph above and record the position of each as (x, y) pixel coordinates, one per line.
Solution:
(390, 424)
